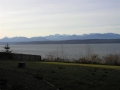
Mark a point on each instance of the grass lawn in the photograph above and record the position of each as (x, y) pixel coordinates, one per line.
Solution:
(59, 76)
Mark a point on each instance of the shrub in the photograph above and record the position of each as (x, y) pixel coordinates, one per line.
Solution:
(95, 59)
(113, 59)
(92, 59)
(83, 60)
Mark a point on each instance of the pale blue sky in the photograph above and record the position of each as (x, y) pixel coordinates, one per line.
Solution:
(44, 17)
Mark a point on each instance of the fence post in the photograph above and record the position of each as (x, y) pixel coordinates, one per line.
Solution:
(35, 57)
(40, 57)
(21, 56)
(29, 57)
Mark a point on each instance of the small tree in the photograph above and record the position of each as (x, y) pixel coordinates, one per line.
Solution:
(7, 53)
(7, 49)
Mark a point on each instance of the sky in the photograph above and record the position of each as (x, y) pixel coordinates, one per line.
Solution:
(31, 18)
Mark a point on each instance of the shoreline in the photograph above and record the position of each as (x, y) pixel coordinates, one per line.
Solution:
(78, 41)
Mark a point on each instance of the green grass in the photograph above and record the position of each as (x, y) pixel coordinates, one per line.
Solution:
(71, 76)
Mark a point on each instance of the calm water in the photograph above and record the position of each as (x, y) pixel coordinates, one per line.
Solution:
(67, 50)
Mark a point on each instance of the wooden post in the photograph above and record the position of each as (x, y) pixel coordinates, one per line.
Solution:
(29, 57)
(40, 58)
(35, 57)
(21, 56)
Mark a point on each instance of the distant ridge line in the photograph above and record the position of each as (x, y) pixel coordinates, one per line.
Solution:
(57, 37)
(86, 41)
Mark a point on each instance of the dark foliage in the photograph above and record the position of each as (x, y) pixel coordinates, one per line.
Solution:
(6, 53)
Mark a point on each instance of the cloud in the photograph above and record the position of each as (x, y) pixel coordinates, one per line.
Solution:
(59, 16)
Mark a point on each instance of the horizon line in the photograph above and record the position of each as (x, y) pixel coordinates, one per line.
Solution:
(59, 34)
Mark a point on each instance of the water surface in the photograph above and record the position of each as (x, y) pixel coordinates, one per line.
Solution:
(67, 50)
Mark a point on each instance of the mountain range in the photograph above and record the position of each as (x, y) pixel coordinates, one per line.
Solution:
(58, 37)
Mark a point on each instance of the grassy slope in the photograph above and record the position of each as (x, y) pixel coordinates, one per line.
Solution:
(70, 76)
